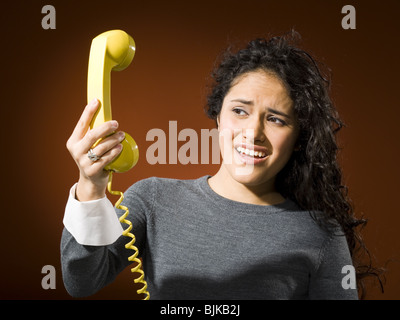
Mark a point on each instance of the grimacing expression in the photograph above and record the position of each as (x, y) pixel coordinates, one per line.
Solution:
(258, 129)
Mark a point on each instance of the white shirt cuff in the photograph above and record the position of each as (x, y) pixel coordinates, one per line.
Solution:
(93, 223)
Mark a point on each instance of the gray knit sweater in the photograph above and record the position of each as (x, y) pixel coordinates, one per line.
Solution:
(196, 244)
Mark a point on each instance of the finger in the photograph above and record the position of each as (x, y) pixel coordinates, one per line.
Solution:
(108, 143)
(111, 154)
(100, 132)
(105, 159)
(84, 121)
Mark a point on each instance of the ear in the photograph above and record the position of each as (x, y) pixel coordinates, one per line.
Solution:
(217, 121)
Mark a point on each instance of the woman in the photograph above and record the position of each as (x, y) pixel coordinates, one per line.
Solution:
(272, 223)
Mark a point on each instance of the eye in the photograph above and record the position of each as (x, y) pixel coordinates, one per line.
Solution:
(239, 111)
(276, 120)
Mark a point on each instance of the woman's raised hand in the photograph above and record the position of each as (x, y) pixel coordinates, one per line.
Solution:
(92, 176)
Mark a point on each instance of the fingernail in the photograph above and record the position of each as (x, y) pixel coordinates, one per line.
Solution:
(121, 135)
(114, 124)
(93, 102)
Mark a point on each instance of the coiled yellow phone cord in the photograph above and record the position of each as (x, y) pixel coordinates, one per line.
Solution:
(129, 245)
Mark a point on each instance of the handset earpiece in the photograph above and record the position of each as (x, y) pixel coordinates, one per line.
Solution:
(111, 50)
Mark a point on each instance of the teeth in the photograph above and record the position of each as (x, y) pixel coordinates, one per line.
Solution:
(251, 153)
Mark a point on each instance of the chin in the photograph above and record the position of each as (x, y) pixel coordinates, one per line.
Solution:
(249, 176)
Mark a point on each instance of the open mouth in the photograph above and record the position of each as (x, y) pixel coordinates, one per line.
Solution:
(251, 153)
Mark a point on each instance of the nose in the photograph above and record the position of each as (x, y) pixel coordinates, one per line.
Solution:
(254, 130)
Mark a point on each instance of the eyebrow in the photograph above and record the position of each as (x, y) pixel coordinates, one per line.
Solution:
(248, 102)
(251, 103)
(279, 112)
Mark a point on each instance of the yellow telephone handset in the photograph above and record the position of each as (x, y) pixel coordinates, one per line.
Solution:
(111, 50)
(114, 50)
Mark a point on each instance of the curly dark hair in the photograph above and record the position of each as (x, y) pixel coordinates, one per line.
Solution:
(312, 177)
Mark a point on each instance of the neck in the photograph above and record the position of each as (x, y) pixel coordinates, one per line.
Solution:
(261, 194)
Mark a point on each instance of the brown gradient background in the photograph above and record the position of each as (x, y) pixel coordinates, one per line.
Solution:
(44, 92)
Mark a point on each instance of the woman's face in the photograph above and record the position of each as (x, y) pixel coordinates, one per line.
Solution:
(258, 129)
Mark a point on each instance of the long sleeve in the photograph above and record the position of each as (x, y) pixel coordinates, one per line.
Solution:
(98, 255)
(327, 282)
(87, 269)
(91, 222)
